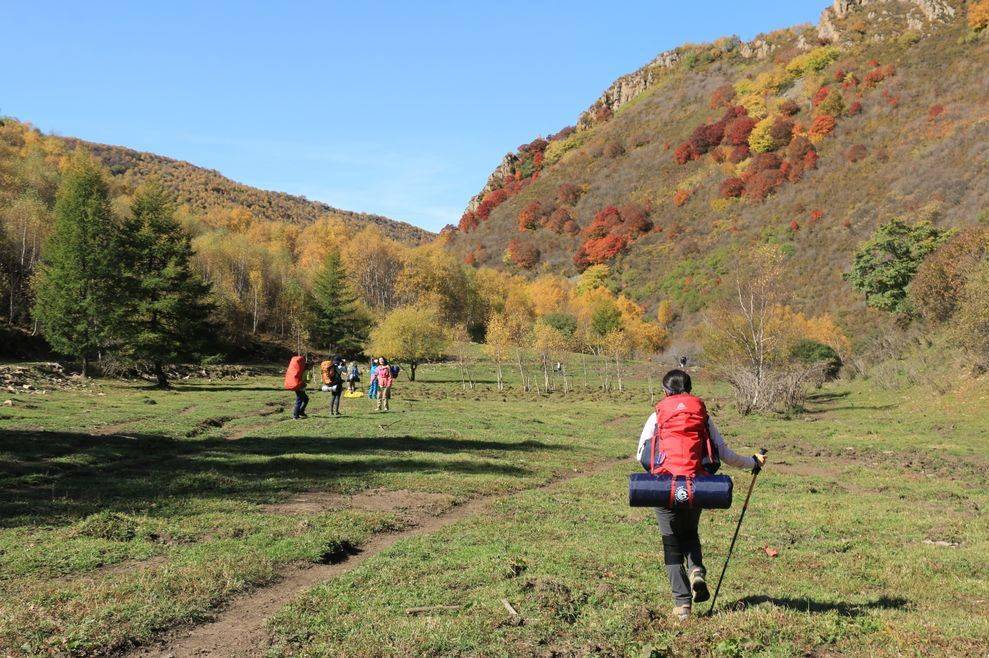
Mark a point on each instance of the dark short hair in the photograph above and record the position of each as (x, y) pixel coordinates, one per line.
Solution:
(676, 381)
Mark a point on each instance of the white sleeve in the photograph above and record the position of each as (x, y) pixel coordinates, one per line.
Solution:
(647, 433)
(726, 454)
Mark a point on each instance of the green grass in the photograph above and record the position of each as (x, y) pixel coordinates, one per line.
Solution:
(107, 540)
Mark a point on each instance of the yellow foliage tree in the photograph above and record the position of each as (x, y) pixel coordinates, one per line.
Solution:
(410, 334)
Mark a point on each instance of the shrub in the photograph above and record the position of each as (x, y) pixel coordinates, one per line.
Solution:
(762, 184)
(571, 228)
(530, 216)
(815, 215)
(810, 352)
(112, 526)
(568, 194)
(737, 130)
(935, 111)
(788, 108)
(978, 15)
(613, 149)
(834, 104)
(763, 162)
(599, 250)
(558, 219)
(794, 225)
(522, 254)
(761, 138)
(850, 82)
(685, 153)
(468, 222)
(972, 318)
(781, 131)
(820, 96)
(938, 285)
(878, 74)
(823, 125)
(565, 323)
(706, 137)
(680, 197)
(815, 60)
(491, 201)
(739, 153)
(856, 153)
(731, 188)
(854, 108)
(798, 148)
(722, 96)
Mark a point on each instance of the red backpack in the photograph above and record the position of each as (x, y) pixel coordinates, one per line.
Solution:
(682, 444)
(293, 375)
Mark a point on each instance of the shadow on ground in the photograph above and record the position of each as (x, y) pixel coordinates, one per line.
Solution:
(808, 605)
(55, 477)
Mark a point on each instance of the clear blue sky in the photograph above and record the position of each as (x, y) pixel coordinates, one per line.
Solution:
(398, 108)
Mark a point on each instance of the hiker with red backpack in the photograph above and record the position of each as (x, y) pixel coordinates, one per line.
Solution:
(680, 439)
(297, 375)
(385, 379)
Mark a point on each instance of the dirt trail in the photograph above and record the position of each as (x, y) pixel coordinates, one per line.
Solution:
(239, 628)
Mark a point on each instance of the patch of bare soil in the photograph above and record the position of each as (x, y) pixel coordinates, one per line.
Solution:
(377, 500)
(239, 629)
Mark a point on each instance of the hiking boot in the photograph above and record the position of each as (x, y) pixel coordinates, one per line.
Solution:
(699, 586)
(682, 612)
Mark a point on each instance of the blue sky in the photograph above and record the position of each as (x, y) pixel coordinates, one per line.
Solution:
(398, 108)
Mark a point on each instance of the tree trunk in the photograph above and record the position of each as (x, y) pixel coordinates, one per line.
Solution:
(85, 366)
(160, 375)
(412, 370)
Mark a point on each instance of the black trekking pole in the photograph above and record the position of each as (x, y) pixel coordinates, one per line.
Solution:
(745, 506)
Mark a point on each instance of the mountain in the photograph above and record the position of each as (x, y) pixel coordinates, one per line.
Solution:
(807, 137)
(203, 190)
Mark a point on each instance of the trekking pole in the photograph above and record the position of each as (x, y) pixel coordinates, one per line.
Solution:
(738, 527)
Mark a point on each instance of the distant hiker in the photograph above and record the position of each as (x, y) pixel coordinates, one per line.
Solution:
(385, 379)
(354, 377)
(372, 390)
(687, 443)
(297, 375)
(333, 383)
(683, 362)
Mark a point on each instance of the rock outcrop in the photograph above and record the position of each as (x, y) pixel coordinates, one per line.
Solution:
(917, 12)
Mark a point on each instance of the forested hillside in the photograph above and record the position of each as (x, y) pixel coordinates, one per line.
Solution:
(206, 191)
(257, 250)
(806, 138)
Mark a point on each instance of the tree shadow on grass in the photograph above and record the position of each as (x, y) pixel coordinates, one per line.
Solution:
(57, 477)
(808, 605)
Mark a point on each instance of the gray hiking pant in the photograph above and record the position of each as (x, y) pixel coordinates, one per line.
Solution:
(681, 543)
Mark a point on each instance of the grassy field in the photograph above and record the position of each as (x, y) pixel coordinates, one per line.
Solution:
(126, 511)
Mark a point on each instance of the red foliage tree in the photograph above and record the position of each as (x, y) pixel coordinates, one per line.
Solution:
(854, 108)
(737, 130)
(568, 194)
(685, 153)
(781, 131)
(788, 108)
(522, 254)
(558, 220)
(680, 197)
(739, 153)
(794, 225)
(491, 201)
(530, 216)
(722, 96)
(635, 219)
(815, 215)
(762, 184)
(731, 188)
(935, 111)
(763, 162)
(823, 125)
(706, 137)
(468, 222)
(600, 250)
(820, 96)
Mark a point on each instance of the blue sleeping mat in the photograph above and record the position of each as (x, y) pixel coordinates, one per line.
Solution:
(702, 491)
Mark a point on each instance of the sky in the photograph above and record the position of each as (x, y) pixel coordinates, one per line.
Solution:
(395, 108)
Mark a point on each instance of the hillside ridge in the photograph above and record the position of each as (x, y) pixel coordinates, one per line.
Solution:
(201, 188)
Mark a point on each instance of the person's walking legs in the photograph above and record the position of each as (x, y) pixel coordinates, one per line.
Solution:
(301, 400)
(673, 556)
(335, 404)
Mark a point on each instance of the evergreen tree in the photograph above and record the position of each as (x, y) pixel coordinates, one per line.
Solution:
(337, 321)
(77, 291)
(166, 315)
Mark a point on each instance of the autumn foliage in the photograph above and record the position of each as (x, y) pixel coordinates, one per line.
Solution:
(613, 229)
(522, 254)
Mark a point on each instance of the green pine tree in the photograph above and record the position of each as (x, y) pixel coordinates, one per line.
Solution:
(166, 317)
(77, 290)
(337, 321)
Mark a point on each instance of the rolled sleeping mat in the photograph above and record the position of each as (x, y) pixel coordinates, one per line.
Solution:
(679, 492)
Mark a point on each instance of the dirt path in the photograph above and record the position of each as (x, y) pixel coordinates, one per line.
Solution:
(239, 628)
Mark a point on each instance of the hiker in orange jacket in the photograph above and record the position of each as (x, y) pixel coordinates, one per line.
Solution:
(297, 375)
